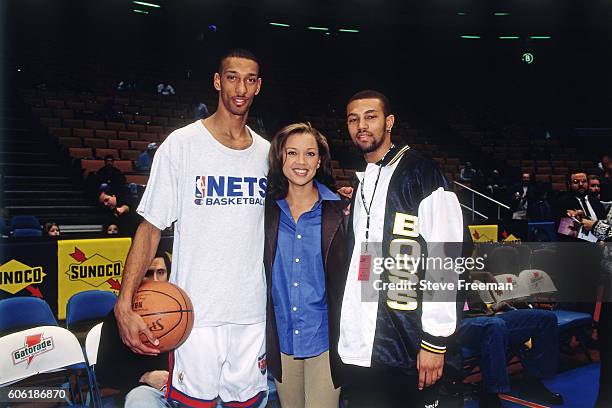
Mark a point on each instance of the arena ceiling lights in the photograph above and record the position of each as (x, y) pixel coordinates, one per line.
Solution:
(316, 28)
(508, 37)
(144, 4)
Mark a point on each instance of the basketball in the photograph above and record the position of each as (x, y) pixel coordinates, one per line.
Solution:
(167, 311)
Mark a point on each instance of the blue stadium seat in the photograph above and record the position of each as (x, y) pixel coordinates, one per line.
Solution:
(25, 226)
(25, 312)
(24, 221)
(27, 232)
(89, 305)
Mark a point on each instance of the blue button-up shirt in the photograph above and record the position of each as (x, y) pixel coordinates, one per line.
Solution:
(298, 281)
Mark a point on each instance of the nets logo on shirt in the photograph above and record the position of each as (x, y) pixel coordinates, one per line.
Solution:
(228, 190)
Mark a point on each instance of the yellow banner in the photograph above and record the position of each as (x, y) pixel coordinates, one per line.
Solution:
(483, 233)
(88, 264)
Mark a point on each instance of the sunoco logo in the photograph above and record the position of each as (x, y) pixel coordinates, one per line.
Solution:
(16, 276)
(35, 345)
(95, 270)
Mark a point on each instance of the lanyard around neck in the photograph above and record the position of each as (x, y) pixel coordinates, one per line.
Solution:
(366, 207)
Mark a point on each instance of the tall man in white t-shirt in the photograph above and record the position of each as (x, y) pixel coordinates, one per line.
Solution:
(209, 179)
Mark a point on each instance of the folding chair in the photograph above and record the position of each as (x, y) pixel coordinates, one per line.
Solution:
(24, 312)
(41, 350)
(92, 343)
(89, 305)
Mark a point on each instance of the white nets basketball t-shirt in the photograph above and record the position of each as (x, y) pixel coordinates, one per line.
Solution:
(216, 196)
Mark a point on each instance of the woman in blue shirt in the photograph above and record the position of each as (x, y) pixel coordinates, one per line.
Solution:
(306, 262)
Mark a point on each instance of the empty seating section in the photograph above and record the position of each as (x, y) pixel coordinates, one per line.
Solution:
(91, 127)
(146, 118)
(548, 160)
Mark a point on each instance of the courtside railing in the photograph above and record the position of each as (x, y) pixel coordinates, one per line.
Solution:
(473, 208)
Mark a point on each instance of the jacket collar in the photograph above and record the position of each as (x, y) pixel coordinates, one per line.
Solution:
(393, 155)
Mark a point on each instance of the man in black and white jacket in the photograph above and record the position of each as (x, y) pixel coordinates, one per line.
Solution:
(395, 345)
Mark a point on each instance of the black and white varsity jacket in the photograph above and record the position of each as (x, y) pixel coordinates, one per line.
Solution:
(418, 206)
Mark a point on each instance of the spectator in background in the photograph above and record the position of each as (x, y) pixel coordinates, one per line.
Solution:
(467, 172)
(165, 89)
(128, 85)
(121, 207)
(594, 186)
(145, 159)
(606, 178)
(51, 229)
(110, 175)
(604, 164)
(495, 184)
(578, 198)
(111, 229)
(200, 111)
(491, 330)
(521, 196)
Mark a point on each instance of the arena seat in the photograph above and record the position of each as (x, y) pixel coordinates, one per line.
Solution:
(129, 154)
(115, 125)
(27, 232)
(142, 119)
(82, 133)
(106, 134)
(139, 144)
(136, 127)
(51, 122)
(159, 120)
(118, 144)
(80, 152)
(62, 352)
(148, 136)
(125, 166)
(127, 135)
(141, 179)
(73, 123)
(154, 129)
(559, 186)
(101, 153)
(22, 312)
(92, 344)
(89, 305)
(542, 178)
(70, 141)
(55, 103)
(94, 142)
(95, 124)
(91, 166)
(63, 113)
(24, 221)
(60, 132)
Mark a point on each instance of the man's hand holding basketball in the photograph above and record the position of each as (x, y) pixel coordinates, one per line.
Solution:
(130, 326)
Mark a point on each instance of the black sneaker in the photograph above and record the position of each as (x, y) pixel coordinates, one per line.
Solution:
(534, 389)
